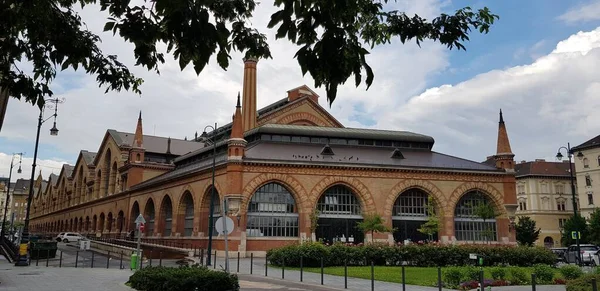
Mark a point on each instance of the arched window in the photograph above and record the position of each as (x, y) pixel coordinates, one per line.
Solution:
(188, 209)
(548, 242)
(120, 221)
(167, 216)
(475, 218)
(411, 209)
(113, 179)
(109, 222)
(149, 216)
(272, 212)
(598, 160)
(339, 213)
(135, 212)
(205, 211)
(586, 163)
(101, 226)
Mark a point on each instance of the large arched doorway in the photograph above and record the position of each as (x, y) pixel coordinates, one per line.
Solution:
(135, 212)
(339, 213)
(205, 210)
(120, 221)
(166, 214)
(149, 215)
(411, 210)
(469, 224)
(187, 208)
(109, 222)
(272, 212)
(102, 219)
(87, 223)
(94, 223)
(548, 242)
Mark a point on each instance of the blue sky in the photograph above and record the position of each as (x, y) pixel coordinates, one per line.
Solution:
(453, 96)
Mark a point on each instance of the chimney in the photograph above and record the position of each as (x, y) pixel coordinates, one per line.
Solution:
(302, 91)
(169, 145)
(249, 97)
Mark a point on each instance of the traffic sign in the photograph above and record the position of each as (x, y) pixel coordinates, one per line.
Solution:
(575, 235)
(140, 219)
(219, 225)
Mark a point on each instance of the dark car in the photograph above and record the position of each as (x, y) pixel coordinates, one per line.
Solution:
(560, 253)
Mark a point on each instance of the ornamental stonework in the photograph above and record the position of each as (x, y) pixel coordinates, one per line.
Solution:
(424, 185)
(295, 188)
(356, 185)
(488, 189)
(303, 116)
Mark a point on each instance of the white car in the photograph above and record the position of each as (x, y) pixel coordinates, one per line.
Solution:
(71, 236)
(59, 236)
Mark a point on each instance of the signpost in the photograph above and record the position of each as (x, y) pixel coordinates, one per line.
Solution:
(224, 226)
(139, 223)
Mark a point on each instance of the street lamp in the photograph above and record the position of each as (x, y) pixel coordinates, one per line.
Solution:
(212, 191)
(23, 258)
(19, 171)
(559, 156)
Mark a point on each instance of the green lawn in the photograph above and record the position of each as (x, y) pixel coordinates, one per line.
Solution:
(422, 276)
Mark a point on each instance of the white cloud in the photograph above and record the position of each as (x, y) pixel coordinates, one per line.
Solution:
(585, 12)
(546, 104)
(47, 167)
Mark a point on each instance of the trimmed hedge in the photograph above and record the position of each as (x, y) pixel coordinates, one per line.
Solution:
(416, 255)
(195, 278)
(582, 284)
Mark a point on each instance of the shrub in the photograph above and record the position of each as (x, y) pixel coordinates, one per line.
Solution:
(518, 276)
(471, 273)
(416, 255)
(583, 283)
(571, 272)
(195, 278)
(559, 281)
(453, 276)
(544, 273)
(498, 273)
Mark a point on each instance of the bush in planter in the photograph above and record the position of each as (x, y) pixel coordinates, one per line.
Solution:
(582, 284)
(195, 278)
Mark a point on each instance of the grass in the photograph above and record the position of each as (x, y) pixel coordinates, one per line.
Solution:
(421, 276)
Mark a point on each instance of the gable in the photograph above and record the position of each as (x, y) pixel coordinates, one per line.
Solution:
(303, 111)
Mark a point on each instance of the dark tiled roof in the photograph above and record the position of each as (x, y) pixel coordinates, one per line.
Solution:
(157, 144)
(542, 168)
(22, 185)
(53, 179)
(359, 156)
(68, 170)
(334, 132)
(592, 143)
(88, 157)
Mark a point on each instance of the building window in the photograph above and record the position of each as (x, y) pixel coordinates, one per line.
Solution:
(411, 203)
(522, 206)
(561, 222)
(590, 199)
(588, 181)
(467, 225)
(560, 189)
(272, 212)
(598, 160)
(544, 188)
(521, 189)
(561, 205)
(586, 163)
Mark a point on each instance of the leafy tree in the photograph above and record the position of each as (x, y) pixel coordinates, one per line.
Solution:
(314, 220)
(373, 223)
(331, 36)
(594, 226)
(575, 223)
(485, 211)
(432, 225)
(527, 231)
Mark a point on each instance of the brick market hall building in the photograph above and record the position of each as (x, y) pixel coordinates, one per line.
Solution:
(276, 166)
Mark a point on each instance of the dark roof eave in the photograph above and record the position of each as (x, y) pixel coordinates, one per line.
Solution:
(157, 179)
(544, 176)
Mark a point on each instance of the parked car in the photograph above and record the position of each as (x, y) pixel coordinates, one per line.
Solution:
(59, 236)
(588, 252)
(560, 253)
(71, 236)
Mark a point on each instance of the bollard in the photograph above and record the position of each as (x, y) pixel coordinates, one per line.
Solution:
(533, 282)
(372, 275)
(251, 262)
(150, 258)
(594, 285)
(481, 279)
(160, 259)
(403, 279)
(346, 273)
(283, 269)
(202, 257)
(47, 257)
(37, 260)
(76, 258)
(238, 262)
(321, 270)
(301, 269)
(440, 278)
(92, 260)
(108, 260)
(215, 261)
(121, 262)
(60, 260)
(266, 264)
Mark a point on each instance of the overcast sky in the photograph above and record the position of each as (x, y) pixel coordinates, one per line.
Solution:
(540, 63)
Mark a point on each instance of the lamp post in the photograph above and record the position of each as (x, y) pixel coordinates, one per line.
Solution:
(559, 156)
(212, 192)
(23, 257)
(19, 171)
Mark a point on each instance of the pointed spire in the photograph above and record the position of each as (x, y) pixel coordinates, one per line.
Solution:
(237, 129)
(503, 146)
(138, 140)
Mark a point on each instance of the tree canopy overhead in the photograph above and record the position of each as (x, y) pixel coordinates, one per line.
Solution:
(333, 37)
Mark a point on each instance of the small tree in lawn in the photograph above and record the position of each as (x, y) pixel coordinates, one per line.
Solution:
(314, 221)
(485, 211)
(432, 226)
(575, 223)
(527, 231)
(373, 223)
